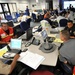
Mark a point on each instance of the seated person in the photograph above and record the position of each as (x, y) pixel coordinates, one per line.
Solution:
(67, 50)
(60, 17)
(71, 28)
(7, 69)
(6, 33)
(23, 17)
(47, 18)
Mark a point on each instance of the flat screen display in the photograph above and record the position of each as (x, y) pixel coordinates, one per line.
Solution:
(15, 44)
(67, 3)
(44, 34)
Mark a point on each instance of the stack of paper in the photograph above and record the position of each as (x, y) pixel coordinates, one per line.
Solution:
(31, 59)
(2, 51)
(52, 35)
(58, 40)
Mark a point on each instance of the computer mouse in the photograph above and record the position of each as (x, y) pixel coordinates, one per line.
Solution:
(25, 50)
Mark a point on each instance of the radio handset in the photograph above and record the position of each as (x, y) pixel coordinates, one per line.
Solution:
(35, 41)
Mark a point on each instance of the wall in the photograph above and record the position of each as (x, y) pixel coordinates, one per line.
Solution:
(20, 4)
(40, 5)
(55, 4)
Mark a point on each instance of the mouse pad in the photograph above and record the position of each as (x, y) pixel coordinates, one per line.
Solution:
(47, 51)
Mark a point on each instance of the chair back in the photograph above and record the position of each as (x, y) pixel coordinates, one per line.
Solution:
(63, 22)
(10, 24)
(17, 15)
(24, 26)
(67, 68)
(41, 73)
(46, 26)
(9, 17)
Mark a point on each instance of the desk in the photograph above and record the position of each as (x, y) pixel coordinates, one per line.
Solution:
(50, 58)
(16, 24)
(5, 49)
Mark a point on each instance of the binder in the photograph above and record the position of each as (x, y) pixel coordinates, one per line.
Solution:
(33, 60)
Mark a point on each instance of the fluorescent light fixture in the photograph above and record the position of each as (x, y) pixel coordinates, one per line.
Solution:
(37, 1)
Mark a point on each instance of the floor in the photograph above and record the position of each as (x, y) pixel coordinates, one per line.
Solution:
(32, 24)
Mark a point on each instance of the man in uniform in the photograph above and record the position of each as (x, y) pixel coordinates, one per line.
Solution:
(6, 33)
(71, 28)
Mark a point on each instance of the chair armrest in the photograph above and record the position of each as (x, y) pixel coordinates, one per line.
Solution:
(23, 71)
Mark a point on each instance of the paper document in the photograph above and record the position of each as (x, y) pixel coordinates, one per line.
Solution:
(52, 35)
(9, 55)
(31, 59)
(58, 40)
(2, 51)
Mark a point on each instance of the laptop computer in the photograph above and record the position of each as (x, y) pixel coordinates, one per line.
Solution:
(27, 35)
(15, 45)
(13, 49)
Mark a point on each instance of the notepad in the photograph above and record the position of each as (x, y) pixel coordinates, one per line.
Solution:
(52, 35)
(2, 51)
(31, 59)
(58, 40)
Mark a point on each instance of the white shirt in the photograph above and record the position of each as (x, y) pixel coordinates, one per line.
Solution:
(23, 18)
(59, 18)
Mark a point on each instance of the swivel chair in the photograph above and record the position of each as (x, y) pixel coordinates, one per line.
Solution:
(67, 68)
(24, 26)
(63, 22)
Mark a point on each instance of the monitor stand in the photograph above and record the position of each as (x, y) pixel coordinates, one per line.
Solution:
(47, 46)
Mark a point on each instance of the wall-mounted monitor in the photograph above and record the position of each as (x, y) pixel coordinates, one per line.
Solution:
(67, 3)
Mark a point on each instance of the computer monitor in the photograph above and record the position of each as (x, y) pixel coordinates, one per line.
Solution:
(16, 44)
(44, 34)
(29, 33)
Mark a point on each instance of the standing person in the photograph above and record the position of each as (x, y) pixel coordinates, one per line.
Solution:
(27, 11)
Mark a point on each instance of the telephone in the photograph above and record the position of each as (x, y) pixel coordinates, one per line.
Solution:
(35, 41)
(39, 28)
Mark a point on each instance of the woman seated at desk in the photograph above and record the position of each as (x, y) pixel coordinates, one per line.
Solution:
(6, 33)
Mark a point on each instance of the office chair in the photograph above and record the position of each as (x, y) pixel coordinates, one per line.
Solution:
(45, 25)
(67, 68)
(19, 31)
(22, 71)
(63, 22)
(24, 26)
(10, 24)
(44, 72)
(17, 15)
(9, 17)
